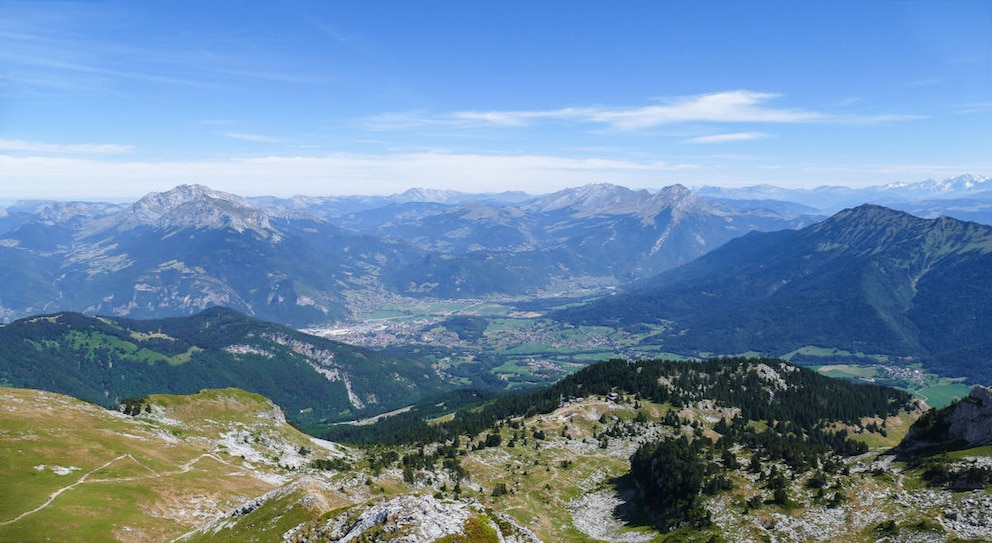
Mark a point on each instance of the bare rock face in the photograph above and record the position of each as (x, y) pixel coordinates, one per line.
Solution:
(417, 519)
(967, 423)
(971, 419)
(196, 206)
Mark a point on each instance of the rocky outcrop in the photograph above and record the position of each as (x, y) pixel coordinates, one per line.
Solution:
(971, 418)
(417, 519)
(967, 423)
(195, 206)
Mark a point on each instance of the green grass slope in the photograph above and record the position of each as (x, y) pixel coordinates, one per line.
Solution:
(73, 471)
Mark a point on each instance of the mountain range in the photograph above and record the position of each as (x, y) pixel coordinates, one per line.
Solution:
(869, 280)
(190, 248)
(825, 199)
(830, 199)
(597, 230)
(707, 275)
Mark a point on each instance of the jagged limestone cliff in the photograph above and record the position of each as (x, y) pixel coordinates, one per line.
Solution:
(964, 424)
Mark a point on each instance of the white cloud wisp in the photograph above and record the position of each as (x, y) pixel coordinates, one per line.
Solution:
(725, 138)
(58, 148)
(739, 106)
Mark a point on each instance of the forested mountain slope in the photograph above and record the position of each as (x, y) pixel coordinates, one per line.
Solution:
(868, 280)
(106, 360)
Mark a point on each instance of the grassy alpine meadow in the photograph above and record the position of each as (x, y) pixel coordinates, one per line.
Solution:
(73, 471)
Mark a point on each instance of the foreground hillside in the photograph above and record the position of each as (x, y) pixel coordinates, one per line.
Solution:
(73, 471)
(106, 360)
(222, 465)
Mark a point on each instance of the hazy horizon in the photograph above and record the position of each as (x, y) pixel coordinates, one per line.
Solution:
(119, 99)
(9, 202)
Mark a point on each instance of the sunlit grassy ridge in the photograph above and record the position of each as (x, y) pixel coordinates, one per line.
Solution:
(73, 471)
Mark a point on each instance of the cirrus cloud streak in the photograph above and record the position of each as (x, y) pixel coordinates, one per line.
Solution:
(725, 138)
(738, 106)
(59, 148)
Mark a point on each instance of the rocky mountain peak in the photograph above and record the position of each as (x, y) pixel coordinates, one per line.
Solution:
(866, 228)
(871, 213)
(196, 206)
(417, 194)
(972, 418)
(677, 197)
(871, 228)
(599, 197)
(606, 199)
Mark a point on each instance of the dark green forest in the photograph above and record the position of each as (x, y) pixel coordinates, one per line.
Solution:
(809, 399)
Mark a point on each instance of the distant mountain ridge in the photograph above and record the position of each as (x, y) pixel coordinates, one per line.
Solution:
(316, 260)
(869, 280)
(336, 206)
(190, 248)
(905, 196)
(195, 206)
(595, 230)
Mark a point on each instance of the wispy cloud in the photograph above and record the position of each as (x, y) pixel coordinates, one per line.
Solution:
(295, 78)
(739, 106)
(975, 107)
(725, 138)
(95, 67)
(59, 148)
(721, 107)
(923, 82)
(329, 29)
(409, 119)
(258, 138)
(849, 101)
(80, 47)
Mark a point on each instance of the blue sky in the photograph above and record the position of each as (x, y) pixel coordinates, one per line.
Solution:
(114, 99)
